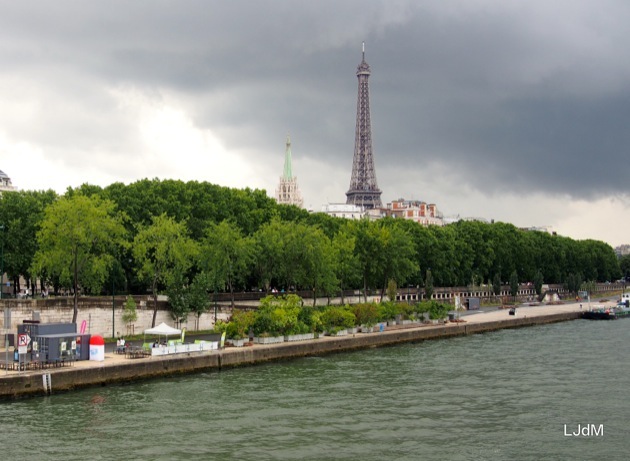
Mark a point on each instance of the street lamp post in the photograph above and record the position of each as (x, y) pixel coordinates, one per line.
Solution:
(113, 310)
(2, 263)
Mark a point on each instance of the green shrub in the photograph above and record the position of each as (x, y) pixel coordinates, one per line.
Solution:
(406, 310)
(278, 315)
(220, 326)
(239, 324)
(366, 314)
(309, 317)
(388, 310)
(438, 311)
(336, 318)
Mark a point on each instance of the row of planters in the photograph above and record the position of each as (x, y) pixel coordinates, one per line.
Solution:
(286, 318)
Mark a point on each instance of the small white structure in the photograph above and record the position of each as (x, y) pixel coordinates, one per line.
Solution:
(163, 330)
(97, 348)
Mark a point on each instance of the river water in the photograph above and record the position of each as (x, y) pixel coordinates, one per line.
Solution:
(506, 395)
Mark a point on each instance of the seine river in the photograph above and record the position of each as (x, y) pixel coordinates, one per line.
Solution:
(508, 395)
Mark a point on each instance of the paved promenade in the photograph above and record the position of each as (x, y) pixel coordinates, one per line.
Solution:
(118, 368)
(533, 311)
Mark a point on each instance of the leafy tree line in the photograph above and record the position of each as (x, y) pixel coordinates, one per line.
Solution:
(189, 239)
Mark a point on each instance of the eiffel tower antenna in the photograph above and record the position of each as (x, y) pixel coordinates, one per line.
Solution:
(364, 190)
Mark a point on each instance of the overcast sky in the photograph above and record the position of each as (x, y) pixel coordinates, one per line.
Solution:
(517, 111)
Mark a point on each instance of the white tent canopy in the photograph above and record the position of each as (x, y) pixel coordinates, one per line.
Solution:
(162, 329)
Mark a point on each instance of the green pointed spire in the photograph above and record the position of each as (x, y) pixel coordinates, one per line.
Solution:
(288, 171)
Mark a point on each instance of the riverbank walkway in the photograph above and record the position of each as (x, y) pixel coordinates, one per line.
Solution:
(120, 367)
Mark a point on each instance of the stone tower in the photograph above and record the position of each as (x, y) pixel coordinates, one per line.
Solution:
(288, 192)
(363, 190)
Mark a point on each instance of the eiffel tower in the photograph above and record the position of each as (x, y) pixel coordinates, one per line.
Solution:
(364, 190)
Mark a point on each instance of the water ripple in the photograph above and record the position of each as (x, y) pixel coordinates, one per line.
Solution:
(496, 396)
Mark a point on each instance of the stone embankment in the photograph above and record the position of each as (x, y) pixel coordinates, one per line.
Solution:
(118, 369)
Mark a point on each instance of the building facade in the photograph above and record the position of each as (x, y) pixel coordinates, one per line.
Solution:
(421, 212)
(343, 210)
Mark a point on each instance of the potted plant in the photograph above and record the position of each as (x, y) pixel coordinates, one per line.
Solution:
(406, 313)
(337, 320)
(367, 316)
(237, 329)
(422, 311)
(388, 312)
(274, 317)
(437, 312)
(301, 324)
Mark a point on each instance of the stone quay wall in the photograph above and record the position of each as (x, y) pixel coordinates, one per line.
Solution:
(67, 379)
(97, 314)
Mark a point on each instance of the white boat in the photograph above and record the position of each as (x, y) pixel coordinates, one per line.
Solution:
(623, 306)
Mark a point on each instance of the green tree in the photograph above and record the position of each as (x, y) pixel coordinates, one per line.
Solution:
(496, 284)
(424, 247)
(444, 261)
(163, 253)
(392, 289)
(76, 239)
(289, 271)
(573, 283)
(367, 251)
(538, 282)
(345, 261)
(315, 268)
(185, 297)
(267, 253)
(398, 259)
(624, 264)
(198, 298)
(226, 255)
(198, 204)
(590, 287)
(130, 313)
(21, 215)
(177, 292)
(474, 251)
(514, 284)
(428, 285)
(383, 250)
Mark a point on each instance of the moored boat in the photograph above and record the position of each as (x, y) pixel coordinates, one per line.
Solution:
(622, 310)
(600, 313)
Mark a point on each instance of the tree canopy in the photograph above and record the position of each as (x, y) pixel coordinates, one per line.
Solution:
(77, 240)
(174, 235)
(164, 254)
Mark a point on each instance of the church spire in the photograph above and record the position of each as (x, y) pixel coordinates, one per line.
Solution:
(288, 192)
(288, 170)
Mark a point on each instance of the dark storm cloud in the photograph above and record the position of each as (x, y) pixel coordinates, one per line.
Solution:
(509, 108)
(517, 96)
